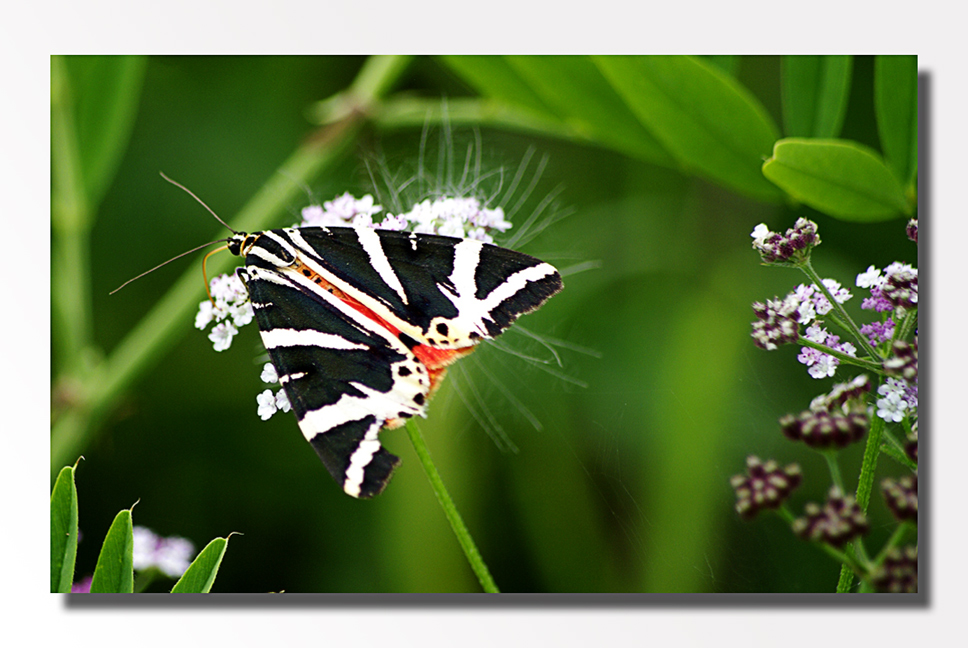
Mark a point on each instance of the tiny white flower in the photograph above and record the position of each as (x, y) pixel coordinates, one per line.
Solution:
(242, 313)
(282, 401)
(870, 279)
(839, 293)
(221, 336)
(206, 313)
(143, 546)
(174, 555)
(269, 374)
(824, 367)
(760, 233)
(267, 404)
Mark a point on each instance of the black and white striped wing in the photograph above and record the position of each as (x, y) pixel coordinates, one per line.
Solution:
(442, 291)
(343, 374)
(361, 323)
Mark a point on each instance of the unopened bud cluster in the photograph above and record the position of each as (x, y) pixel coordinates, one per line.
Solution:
(765, 486)
(898, 574)
(835, 523)
(901, 496)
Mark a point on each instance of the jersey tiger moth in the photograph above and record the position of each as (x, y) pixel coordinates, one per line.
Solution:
(361, 324)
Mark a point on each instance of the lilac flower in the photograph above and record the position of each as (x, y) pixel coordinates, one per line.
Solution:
(878, 332)
(270, 403)
(171, 555)
(897, 287)
(775, 323)
(82, 586)
(820, 364)
(341, 212)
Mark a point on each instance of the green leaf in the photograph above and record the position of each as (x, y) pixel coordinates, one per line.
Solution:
(815, 92)
(63, 531)
(837, 177)
(579, 95)
(896, 108)
(568, 90)
(727, 63)
(493, 76)
(114, 572)
(200, 575)
(105, 90)
(706, 119)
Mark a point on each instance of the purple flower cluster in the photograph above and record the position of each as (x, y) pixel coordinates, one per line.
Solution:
(896, 288)
(765, 486)
(835, 523)
(793, 246)
(901, 496)
(820, 364)
(899, 571)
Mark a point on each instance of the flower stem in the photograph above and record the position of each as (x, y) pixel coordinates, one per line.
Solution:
(450, 510)
(843, 357)
(841, 311)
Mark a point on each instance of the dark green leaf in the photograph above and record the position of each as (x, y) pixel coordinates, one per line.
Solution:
(105, 90)
(896, 107)
(63, 531)
(704, 118)
(200, 575)
(114, 572)
(815, 92)
(579, 95)
(837, 177)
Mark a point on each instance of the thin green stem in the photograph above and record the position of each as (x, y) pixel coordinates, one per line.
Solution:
(843, 357)
(841, 311)
(450, 510)
(834, 467)
(70, 225)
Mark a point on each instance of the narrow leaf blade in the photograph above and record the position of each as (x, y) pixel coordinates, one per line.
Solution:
(815, 93)
(896, 108)
(707, 120)
(63, 531)
(200, 575)
(114, 572)
(837, 177)
(106, 92)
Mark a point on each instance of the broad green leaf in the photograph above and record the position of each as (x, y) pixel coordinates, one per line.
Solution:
(566, 90)
(114, 572)
(707, 120)
(200, 575)
(105, 92)
(493, 76)
(837, 177)
(727, 63)
(815, 92)
(896, 107)
(579, 95)
(63, 531)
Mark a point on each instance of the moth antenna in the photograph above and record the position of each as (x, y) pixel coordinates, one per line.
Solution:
(205, 274)
(189, 192)
(175, 258)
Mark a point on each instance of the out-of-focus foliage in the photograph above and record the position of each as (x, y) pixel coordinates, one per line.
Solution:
(620, 481)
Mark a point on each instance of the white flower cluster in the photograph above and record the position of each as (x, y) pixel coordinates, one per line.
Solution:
(446, 216)
(819, 364)
(897, 398)
(270, 403)
(230, 301)
(171, 556)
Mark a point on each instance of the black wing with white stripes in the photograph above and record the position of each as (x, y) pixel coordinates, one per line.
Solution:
(359, 324)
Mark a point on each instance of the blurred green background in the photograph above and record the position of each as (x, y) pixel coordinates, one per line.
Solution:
(660, 395)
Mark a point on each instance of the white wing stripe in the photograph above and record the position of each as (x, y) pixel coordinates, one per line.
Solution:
(370, 241)
(279, 337)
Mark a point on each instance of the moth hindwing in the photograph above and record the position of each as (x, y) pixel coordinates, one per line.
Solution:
(361, 324)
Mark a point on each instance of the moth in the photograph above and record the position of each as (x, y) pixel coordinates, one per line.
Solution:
(361, 324)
